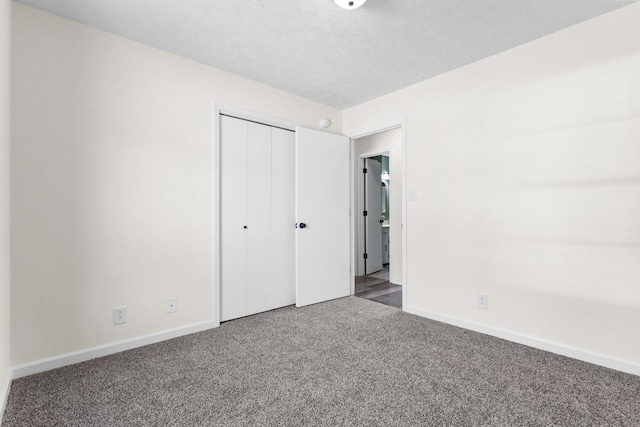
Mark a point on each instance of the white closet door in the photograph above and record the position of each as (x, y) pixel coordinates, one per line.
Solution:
(233, 191)
(282, 251)
(257, 218)
(259, 235)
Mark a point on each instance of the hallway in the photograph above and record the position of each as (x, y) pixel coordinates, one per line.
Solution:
(376, 287)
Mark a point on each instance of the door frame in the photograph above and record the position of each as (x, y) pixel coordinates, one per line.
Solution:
(216, 223)
(400, 123)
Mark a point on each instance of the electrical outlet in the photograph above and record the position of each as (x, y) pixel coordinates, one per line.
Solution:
(483, 301)
(171, 305)
(119, 315)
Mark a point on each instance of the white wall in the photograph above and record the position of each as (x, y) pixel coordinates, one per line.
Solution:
(112, 182)
(5, 135)
(390, 141)
(526, 166)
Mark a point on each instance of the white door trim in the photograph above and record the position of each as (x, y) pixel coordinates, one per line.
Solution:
(400, 123)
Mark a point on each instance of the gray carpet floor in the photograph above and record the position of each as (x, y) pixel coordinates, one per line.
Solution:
(345, 362)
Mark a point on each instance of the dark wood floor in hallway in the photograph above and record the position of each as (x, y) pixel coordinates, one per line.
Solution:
(379, 290)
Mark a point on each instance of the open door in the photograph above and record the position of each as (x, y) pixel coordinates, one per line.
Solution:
(322, 217)
(373, 217)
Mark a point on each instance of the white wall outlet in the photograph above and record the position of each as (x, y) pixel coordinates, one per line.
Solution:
(171, 305)
(483, 301)
(119, 315)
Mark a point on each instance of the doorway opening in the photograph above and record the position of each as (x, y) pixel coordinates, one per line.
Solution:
(378, 223)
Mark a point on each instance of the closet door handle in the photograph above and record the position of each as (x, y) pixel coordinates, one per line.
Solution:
(245, 227)
(303, 225)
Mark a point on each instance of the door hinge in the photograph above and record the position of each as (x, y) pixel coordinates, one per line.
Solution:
(364, 213)
(365, 256)
(364, 170)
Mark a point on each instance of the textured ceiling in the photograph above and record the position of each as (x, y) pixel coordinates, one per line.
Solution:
(317, 50)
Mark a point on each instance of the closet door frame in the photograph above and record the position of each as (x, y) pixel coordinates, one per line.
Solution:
(241, 113)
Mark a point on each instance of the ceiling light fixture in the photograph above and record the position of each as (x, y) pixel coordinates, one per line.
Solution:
(349, 4)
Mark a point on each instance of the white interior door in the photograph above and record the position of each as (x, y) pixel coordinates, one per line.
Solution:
(322, 217)
(373, 224)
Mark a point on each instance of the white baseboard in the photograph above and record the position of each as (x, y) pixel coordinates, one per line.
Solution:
(607, 361)
(396, 280)
(4, 392)
(107, 349)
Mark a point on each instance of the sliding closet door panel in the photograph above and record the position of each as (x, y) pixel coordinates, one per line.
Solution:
(283, 217)
(259, 234)
(233, 235)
